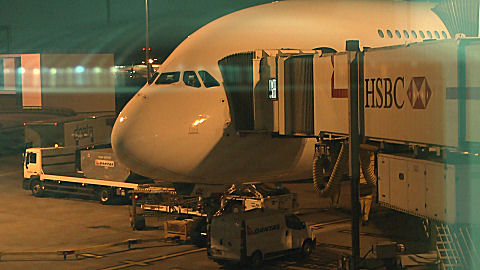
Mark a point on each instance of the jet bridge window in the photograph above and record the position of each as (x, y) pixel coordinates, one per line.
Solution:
(208, 80)
(168, 77)
(191, 79)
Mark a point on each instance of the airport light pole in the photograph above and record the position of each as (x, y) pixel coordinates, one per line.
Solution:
(147, 54)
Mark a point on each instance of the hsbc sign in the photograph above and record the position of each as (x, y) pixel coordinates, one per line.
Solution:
(394, 92)
(419, 92)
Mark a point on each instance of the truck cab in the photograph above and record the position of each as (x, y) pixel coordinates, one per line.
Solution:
(32, 163)
(255, 235)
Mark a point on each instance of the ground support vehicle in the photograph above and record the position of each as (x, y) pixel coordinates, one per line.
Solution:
(255, 235)
(150, 201)
(67, 170)
(252, 196)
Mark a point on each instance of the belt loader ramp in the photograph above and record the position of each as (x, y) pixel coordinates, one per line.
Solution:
(418, 125)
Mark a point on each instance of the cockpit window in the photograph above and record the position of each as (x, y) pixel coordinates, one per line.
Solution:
(191, 79)
(168, 78)
(208, 80)
(153, 77)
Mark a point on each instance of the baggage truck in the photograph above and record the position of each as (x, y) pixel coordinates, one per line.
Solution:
(255, 235)
(94, 173)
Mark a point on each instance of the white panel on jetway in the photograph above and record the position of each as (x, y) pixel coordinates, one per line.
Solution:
(472, 56)
(405, 93)
(383, 179)
(436, 195)
(330, 103)
(398, 183)
(431, 188)
(416, 187)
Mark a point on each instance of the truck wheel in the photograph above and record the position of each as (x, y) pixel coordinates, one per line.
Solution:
(37, 188)
(307, 248)
(138, 223)
(105, 195)
(256, 259)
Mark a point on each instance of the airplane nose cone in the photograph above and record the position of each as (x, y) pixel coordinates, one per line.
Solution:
(131, 141)
(166, 132)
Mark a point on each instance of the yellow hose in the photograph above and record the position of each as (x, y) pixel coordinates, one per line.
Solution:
(333, 185)
(330, 188)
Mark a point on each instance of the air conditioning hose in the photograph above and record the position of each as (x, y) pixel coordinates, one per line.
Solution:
(330, 188)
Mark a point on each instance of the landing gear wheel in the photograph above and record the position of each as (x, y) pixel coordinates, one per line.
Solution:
(307, 248)
(256, 259)
(105, 195)
(37, 188)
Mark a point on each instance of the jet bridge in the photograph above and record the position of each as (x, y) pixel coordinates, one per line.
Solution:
(418, 105)
(270, 90)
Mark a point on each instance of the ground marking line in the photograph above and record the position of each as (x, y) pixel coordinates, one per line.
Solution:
(318, 225)
(90, 255)
(135, 263)
(132, 263)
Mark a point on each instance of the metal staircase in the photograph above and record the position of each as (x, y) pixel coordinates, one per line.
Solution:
(456, 248)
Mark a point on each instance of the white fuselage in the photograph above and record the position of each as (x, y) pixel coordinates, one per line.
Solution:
(153, 134)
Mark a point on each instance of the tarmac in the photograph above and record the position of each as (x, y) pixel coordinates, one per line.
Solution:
(76, 229)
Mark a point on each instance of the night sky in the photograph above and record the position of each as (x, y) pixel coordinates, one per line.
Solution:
(62, 26)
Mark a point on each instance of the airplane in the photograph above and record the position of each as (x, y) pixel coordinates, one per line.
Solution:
(153, 133)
